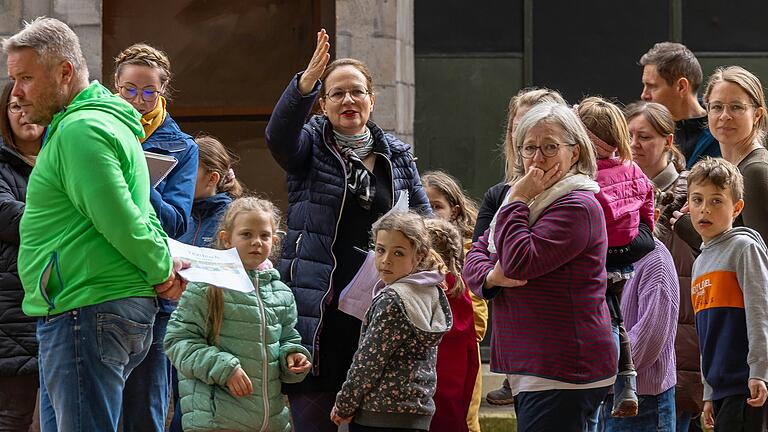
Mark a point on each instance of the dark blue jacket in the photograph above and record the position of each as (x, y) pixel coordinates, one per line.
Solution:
(316, 192)
(206, 215)
(18, 346)
(172, 198)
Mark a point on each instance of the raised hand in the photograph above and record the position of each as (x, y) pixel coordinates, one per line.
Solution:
(316, 65)
(239, 384)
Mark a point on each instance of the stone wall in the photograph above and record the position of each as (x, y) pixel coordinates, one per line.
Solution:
(84, 16)
(380, 33)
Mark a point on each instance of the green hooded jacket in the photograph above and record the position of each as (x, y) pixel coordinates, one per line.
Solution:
(257, 334)
(89, 234)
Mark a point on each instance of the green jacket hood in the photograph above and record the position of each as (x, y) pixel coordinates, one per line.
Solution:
(97, 97)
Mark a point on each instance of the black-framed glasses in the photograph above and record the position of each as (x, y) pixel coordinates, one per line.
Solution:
(338, 95)
(736, 108)
(14, 108)
(130, 92)
(528, 151)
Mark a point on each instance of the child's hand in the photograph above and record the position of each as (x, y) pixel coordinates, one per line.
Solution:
(758, 392)
(496, 278)
(338, 421)
(239, 383)
(708, 415)
(298, 363)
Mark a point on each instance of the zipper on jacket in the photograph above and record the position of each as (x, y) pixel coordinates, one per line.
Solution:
(197, 230)
(315, 356)
(296, 255)
(264, 362)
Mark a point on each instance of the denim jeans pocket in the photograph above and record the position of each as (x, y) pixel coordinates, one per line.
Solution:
(120, 338)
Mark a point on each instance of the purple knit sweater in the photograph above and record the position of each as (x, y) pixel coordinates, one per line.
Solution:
(650, 304)
(556, 326)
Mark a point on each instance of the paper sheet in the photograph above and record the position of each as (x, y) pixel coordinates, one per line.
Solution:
(221, 268)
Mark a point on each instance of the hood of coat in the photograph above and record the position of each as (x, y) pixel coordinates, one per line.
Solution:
(99, 98)
(734, 232)
(425, 304)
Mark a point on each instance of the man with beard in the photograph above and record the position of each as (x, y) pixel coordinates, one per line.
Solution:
(93, 256)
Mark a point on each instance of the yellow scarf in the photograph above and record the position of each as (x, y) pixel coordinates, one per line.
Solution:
(153, 119)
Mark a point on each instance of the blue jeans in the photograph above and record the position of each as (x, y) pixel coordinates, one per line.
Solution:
(85, 357)
(655, 413)
(146, 393)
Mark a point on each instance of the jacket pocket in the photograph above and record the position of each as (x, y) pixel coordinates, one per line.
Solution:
(42, 285)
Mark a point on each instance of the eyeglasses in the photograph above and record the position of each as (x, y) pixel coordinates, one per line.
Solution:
(528, 151)
(337, 96)
(130, 93)
(735, 109)
(14, 108)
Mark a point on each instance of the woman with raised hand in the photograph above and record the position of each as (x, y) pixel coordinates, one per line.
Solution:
(344, 172)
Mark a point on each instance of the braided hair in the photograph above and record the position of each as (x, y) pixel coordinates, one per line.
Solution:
(446, 241)
(144, 55)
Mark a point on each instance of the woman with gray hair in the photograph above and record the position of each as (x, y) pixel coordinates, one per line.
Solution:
(542, 263)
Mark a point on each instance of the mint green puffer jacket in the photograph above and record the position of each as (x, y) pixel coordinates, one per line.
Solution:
(257, 334)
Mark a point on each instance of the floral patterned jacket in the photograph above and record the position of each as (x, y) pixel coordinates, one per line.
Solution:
(393, 378)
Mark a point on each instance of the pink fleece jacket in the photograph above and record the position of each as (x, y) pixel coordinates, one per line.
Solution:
(626, 196)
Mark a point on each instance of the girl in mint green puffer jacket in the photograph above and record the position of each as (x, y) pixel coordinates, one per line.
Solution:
(232, 349)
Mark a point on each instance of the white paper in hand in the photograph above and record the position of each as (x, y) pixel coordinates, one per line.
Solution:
(221, 268)
(357, 297)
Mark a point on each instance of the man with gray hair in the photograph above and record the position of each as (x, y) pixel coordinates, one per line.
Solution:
(672, 77)
(93, 255)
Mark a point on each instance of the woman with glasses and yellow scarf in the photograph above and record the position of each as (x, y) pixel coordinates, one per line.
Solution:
(142, 77)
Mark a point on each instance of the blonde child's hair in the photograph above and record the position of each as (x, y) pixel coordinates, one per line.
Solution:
(241, 205)
(606, 121)
(413, 227)
(450, 189)
(446, 241)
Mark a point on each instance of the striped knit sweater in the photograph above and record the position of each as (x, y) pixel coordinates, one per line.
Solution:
(556, 326)
(650, 305)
